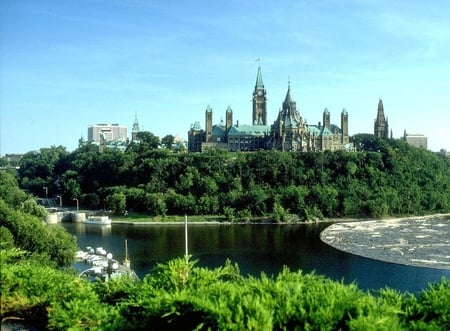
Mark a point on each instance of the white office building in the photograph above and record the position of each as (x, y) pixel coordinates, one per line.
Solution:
(110, 132)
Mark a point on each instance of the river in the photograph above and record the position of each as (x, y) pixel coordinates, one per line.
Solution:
(255, 247)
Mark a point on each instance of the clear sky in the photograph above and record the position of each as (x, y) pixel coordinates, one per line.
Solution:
(65, 65)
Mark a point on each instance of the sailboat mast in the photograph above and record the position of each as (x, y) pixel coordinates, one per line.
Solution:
(127, 260)
(186, 236)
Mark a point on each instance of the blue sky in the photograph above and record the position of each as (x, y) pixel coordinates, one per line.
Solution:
(65, 65)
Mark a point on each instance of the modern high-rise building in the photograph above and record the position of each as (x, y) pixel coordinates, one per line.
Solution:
(416, 140)
(107, 132)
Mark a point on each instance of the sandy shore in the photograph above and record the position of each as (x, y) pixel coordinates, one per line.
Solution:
(422, 241)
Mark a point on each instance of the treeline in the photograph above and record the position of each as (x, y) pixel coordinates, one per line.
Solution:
(384, 177)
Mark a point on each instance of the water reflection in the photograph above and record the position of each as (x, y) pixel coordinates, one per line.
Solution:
(83, 229)
(256, 248)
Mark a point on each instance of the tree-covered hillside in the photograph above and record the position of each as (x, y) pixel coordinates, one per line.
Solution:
(21, 226)
(384, 177)
(178, 295)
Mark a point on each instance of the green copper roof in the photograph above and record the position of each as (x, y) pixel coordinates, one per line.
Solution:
(196, 126)
(323, 131)
(252, 130)
(259, 81)
(218, 131)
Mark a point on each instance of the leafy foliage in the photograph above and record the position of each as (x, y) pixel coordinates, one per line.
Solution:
(21, 223)
(385, 177)
(178, 295)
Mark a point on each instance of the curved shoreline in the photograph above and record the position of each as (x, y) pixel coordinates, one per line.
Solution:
(421, 241)
(327, 220)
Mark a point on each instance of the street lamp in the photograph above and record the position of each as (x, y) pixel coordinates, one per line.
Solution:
(60, 200)
(78, 204)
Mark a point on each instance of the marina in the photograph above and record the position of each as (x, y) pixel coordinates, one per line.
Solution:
(97, 264)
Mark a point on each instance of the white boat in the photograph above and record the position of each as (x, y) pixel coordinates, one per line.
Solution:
(100, 220)
(103, 266)
(100, 251)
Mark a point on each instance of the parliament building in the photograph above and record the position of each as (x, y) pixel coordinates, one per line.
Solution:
(289, 131)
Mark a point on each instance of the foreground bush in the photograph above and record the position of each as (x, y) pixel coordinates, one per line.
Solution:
(180, 296)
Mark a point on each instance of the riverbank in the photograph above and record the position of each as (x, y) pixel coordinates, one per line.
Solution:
(216, 219)
(422, 241)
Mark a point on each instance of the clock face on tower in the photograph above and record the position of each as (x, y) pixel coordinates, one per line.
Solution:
(260, 92)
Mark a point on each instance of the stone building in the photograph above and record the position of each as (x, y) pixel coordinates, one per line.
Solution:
(289, 132)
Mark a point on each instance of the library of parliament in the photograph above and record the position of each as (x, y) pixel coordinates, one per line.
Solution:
(289, 132)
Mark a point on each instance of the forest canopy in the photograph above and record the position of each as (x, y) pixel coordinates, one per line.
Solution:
(384, 177)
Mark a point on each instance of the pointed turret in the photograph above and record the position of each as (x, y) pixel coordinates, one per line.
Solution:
(135, 129)
(135, 124)
(381, 126)
(259, 81)
(290, 115)
(289, 103)
(289, 126)
(380, 113)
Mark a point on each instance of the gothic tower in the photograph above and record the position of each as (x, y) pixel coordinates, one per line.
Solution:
(344, 127)
(326, 118)
(229, 118)
(208, 122)
(135, 130)
(259, 101)
(289, 127)
(381, 126)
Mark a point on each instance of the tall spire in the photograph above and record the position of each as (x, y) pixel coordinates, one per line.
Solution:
(380, 113)
(288, 100)
(135, 129)
(135, 124)
(259, 81)
(381, 126)
(259, 114)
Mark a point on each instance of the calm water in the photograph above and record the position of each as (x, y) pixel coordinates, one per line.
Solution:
(256, 248)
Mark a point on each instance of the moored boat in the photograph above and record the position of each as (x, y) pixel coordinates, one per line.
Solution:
(102, 265)
(99, 220)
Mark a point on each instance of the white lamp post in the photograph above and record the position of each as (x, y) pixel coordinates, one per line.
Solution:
(60, 200)
(78, 204)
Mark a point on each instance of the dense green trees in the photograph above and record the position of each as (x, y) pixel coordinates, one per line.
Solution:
(385, 177)
(178, 295)
(21, 221)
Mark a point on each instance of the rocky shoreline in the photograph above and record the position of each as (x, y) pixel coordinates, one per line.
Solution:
(422, 241)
